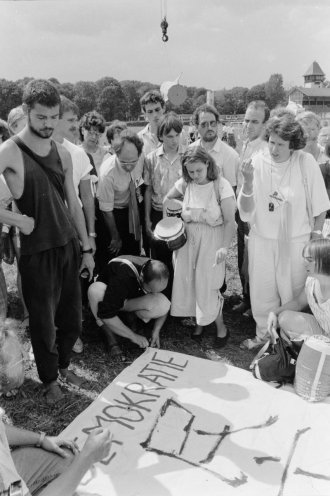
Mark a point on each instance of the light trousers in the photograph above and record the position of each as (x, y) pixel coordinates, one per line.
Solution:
(270, 286)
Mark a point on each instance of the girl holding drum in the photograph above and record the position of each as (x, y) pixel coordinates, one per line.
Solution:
(199, 266)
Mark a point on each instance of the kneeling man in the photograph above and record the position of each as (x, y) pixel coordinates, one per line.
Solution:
(130, 284)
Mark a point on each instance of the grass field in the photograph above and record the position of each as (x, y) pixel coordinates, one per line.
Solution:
(29, 410)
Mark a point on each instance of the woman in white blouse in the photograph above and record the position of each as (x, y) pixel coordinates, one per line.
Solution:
(284, 199)
(316, 295)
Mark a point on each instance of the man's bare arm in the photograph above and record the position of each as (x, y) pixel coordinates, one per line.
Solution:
(11, 165)
(76, 210)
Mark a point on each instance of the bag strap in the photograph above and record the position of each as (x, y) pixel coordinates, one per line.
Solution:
(307, 193)
(259, 354)
(129, 263)
(273, 337)
(27, 150)
(216, 185)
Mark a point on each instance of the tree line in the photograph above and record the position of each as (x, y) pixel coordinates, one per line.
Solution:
(120, 100)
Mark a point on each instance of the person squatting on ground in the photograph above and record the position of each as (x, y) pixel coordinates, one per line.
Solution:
(39, 175)
(162, 168)
(276, 203)
(118, 194)
(132, 285)
(316, 295)
(32, 463)
(256, 116)
(199, 266)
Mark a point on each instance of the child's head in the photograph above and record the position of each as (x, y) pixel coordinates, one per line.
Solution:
(317, 256)
(169, 122)
(202, 162)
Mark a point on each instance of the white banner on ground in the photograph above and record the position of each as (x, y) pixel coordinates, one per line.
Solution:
(184, 426)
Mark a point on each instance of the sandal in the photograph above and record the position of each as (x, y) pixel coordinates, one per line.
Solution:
(10, 395)
(110, 342)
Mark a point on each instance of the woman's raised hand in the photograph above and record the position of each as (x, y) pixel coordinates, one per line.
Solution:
(247, 171)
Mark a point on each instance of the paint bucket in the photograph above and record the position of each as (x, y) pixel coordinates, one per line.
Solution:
(312, 380)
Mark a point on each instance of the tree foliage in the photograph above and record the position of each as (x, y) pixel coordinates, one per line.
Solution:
(121, 100)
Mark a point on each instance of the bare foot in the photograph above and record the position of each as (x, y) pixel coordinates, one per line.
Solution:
(69, 377)
(53, 393)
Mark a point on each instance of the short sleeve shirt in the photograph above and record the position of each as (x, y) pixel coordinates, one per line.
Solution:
(286, 179)
(114, 182)
(161, 175)
(226, 158)
(320, 308)
(80, 164)
(122, 284)
(150, 141)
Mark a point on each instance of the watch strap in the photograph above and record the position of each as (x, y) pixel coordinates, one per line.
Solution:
(41, 439)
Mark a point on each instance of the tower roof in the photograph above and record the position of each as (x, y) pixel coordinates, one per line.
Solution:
(314, 70)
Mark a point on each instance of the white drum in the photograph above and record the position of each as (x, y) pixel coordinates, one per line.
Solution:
(173, 208)
(172, 232)
(312, 380)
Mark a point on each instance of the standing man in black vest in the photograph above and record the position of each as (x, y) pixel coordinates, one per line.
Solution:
(39, 175)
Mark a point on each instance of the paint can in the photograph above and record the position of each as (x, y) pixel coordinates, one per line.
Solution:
(312, 380)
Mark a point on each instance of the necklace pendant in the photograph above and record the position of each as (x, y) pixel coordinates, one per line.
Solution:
(271, 206)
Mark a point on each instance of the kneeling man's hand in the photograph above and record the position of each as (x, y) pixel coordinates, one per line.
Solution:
(155, 341)
(141, 341)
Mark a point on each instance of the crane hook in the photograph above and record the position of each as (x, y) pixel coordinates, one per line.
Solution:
(164, 26)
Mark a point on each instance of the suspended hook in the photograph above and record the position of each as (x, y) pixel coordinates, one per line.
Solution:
(164, 26)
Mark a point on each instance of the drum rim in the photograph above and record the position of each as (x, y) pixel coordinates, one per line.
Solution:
(174, 237)
(168, 220)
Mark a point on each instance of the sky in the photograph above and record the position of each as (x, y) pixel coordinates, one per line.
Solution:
(212, 43)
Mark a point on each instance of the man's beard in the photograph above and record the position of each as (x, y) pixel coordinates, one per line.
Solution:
(44, 133)
(208, 138)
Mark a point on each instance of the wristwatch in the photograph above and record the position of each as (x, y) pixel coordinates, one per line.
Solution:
(90, 250)
(92, 234)
(41, 439)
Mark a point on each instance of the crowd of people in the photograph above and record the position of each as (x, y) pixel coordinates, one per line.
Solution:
(138, 227)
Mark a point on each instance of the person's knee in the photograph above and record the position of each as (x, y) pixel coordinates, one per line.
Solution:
(96, 291)
(284, 319)
(157, 305)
